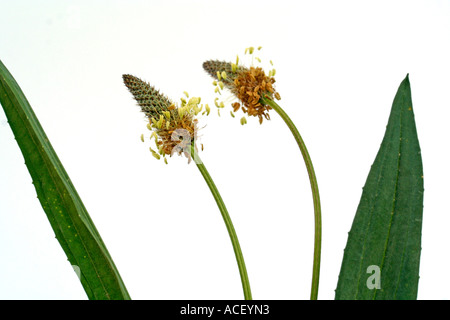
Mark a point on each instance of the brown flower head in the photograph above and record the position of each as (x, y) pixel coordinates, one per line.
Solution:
(249, 85)
(173, 127)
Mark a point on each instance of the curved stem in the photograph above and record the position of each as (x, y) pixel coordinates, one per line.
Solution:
(315, 194)
(228, 223)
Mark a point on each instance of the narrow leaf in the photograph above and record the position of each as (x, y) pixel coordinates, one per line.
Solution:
(66, 213)
(382, 256)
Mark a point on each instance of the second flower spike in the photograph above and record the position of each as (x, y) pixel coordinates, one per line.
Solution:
(248, 85)
(255, 91)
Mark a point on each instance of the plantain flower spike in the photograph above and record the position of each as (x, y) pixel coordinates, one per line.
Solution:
(248, 85)
(173, 127)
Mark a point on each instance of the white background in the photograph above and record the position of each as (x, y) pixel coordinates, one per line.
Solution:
(339, 65)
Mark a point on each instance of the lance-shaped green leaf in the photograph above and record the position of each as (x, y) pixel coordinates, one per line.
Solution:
(66, 213)
(382, 256)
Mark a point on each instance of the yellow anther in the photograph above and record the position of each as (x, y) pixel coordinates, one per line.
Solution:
(232, 114)
(167, 114)
(194, 101)
(157, 156)
(214, 83)
(186, 94)
(219, 77)
(181, 112)
(259, 48)
(183, 102)
(196, 109)
(165, 160)
(208, 109)
(237, 60)
(233, 67)
(160, 122)
(258, 59)
(243, 120)
(221, 85)
(224, 74)
(149, 126)
(271, 63)
(216, 103)
(142, 137)
(222, 105)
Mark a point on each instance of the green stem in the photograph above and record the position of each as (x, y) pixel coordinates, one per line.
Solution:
(228, 223)
(315, 194)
